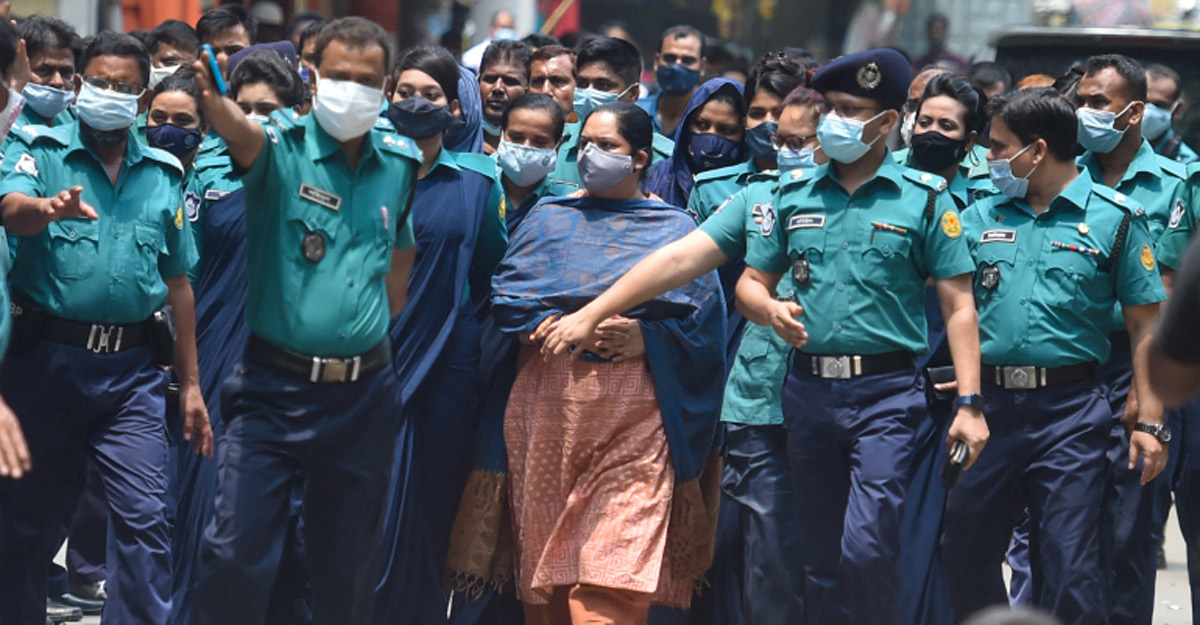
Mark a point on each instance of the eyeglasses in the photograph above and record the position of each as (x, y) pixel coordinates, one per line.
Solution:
(47, 72)
(849, 111)
(115, 85)
(791, 142)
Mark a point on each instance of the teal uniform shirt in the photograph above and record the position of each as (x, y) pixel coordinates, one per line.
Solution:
(29, 122)
(1182, 222)
(1057, 284)
(973, 171)
(1184, 154)
(567, 169)
(321, 236)
(211, 178)
(716, 186)
(110, 270)
(139, 127)
(754, 388)
(868, 255)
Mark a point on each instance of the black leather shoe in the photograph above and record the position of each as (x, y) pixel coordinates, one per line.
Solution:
(88, 597)
(60, 613)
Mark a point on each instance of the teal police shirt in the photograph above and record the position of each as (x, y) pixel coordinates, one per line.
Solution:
(1182, 222)
(716, 186)
(860, 261)
(1046, 284)
(109, 270)
(973, 170)
(321, 236)
(211, 178)
(1184, 154)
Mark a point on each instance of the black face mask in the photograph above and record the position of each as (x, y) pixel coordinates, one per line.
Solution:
(933, 151)
(418, 118)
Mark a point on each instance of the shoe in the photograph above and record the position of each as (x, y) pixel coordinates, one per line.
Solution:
(60, 613)
(87, 597)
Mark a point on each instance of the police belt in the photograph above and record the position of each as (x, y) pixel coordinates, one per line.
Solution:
(847, 367)
(98, 338)
(317, 369)
(1032, 378)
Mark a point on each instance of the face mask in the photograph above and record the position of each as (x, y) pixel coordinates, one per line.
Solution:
(181, 142)
(452, 134)
(602, 170)
(1096, 131)
(906, 128)
(841, 137)
(1156, 121)
(346, 110)
(418, 118)
(933, 151)
(1004, 179)
(676, 79)
(524, 165)
(588, 100)
(758, 140)
(16, 102)
(158, 74)
(490, 128)
(47, 101)
(804, 158)
(706, 152)
(258, 119)
(105, 109)
(505, 34)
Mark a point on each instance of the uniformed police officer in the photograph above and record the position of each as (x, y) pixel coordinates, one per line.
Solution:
(326, 202)
(1164, 94)
(1055, 252)
(860, 237)
(95, 264)
(53, 48)
(1112, 111)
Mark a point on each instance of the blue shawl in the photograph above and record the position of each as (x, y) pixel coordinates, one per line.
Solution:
(470, 137)
(673, 179)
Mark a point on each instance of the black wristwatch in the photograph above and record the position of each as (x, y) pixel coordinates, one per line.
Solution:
(974, 401)
(1160, 431)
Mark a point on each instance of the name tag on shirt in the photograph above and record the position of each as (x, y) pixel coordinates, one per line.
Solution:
(321, 198)
(806, 221)
(212, 195)
(999, 236)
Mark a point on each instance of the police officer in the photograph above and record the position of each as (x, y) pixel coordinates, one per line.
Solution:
(1163, 96)
(103, 245)
(1055, 253)
(326, 202)
(53, 49)
(860, 237)
(1112, 111)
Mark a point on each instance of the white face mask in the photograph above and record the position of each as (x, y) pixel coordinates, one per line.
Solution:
(8, 116)
(158, 74)
(906, 128)
(346, 110)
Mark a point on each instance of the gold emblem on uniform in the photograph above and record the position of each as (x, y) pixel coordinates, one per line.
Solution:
(1147, 257)
(1084, 228)
(179, 218)
(951, 225)
(869, 76)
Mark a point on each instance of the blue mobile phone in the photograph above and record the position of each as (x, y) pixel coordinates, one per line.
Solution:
(216, 70)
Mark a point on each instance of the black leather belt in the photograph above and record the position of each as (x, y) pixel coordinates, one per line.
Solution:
(847, 367)
(317, 369)
(1031, 378)
(98, 338)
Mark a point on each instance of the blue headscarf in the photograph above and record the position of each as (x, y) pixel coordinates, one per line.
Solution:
(469, 136)
(673, 179)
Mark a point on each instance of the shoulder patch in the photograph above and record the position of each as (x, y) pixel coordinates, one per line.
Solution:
(1147, 257)
(765, 216)
(1177, 212)
(179, 218)
(951, 225)
(284, 119)
(27, 165)
(191, 202)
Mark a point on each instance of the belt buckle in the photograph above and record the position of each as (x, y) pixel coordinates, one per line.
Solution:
(100, 339)
(1020, 378)
(329, 370)
(835, 367)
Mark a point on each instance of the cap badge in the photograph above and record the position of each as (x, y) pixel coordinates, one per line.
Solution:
(869, 76)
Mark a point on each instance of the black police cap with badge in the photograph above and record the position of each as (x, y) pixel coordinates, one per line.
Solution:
(883, 75)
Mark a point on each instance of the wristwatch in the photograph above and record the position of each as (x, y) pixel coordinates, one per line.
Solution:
(1161, 431)
(973, 401)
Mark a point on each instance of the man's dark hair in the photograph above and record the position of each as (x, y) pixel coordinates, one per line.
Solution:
(435, 61)
(515, 52)
(623, 57)
(989, 73)
(545, 53)
(8, 46)
(776, 73)
(683, 31)
(310, 32)
(48, 33)
(538, 102)
(225, 17)
(538, 40)
(267, 67)
(183, 81)
(174, 33)
(1041, 113)
(1158, 71)
(109, 43)
(1131, 72)
(955, 87)
(354, 32)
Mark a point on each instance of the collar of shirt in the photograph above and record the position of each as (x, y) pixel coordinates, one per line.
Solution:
(445, 158)
(1075, 196)
(889, 171)
(958, 190)
(1144, 163)
(135, 151)
(324, 146)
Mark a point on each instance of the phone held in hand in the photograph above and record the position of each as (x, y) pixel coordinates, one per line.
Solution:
(218, 79)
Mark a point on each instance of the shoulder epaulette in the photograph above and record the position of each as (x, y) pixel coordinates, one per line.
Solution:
(769, 175)
(398, 144)
(930, 181)
(1172, 168)
(1118, 199)
(34, 134)
(478, 163)
(719, 174)
(795, 178)
(170, 161)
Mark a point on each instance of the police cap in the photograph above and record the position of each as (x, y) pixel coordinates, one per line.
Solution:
(882, 75)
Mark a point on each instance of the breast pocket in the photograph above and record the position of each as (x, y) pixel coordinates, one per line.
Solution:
(151, 244)
(75, 246)
(1068, 274)
(309, 239)
(995, 269)
(806, 248)
(886, 257)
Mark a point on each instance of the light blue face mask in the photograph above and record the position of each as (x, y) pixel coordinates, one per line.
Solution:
(1096, 131)
(1156, 121)
(1006, 182)
(105, 109)
(804, 158)
(588, 100)
(47, 101)
(841, 137)
(525, 165)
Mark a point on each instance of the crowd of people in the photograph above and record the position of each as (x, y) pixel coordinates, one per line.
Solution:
(316, 331)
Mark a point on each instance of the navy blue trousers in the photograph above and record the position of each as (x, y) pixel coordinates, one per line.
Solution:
(86, 528)
(924, 598)
(1187, 495)
(76, 406)
(850, 449)
(1046, 455)
(342, 436)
